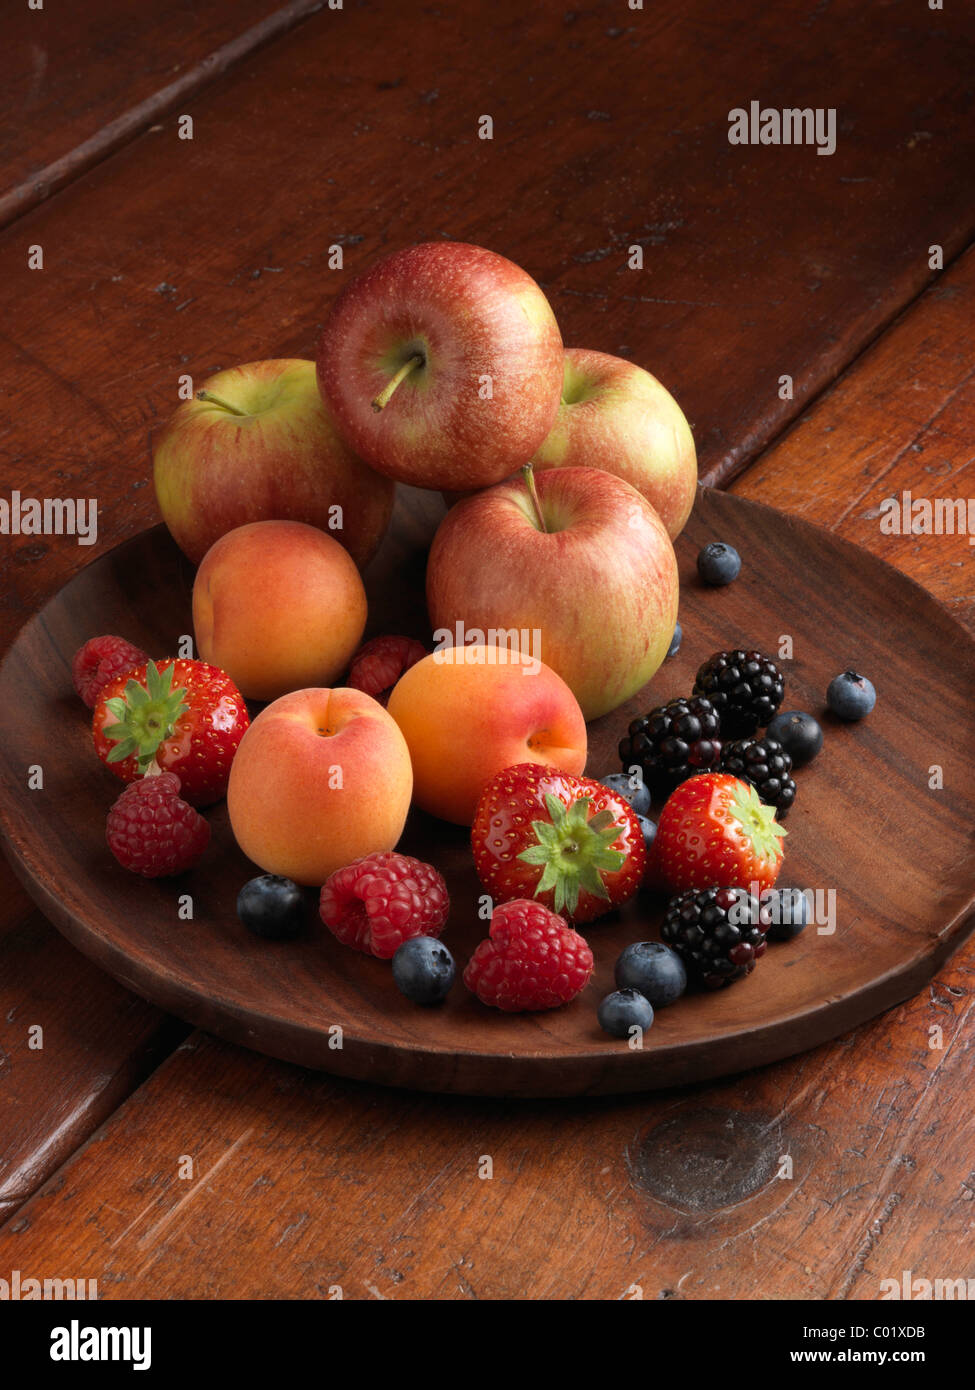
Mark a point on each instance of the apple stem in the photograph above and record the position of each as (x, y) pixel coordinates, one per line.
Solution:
(385, 395)
(209, 396)
(528, 473)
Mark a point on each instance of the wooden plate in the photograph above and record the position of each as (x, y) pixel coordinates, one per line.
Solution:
(867, 823)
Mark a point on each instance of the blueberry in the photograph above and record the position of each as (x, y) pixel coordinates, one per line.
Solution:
(423, 970)
(649, 829)
(789, 908)
(653, 969)
(675, 641)
(718, 563)
(851, 696)
(622, 1010)
(622, 783)
(272, 907)
(798, 733)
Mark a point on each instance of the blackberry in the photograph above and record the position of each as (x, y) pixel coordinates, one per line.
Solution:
(673, 742)
(746, 689)
(766, 765)
(719, 933)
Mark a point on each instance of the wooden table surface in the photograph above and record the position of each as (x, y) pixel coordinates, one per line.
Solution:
(313, 125)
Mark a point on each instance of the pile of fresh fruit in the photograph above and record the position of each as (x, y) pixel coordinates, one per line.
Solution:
(552, 598)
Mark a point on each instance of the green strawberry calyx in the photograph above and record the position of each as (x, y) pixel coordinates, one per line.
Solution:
(757, 821)
(146, 715)
(573, 851)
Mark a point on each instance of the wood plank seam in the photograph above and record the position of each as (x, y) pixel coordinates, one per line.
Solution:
(118, 133)
(722, 474)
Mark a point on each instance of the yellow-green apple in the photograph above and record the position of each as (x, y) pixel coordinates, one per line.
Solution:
(468, 712)
(442, 366)
(618, 417)
(577, 562)
(278, 605)
(320, 778)
(257, 444)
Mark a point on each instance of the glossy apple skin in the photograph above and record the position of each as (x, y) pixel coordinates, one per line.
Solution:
(286, 810)
(616, 416)
(279, 606)
(600, 585)
(470, 313)
(467, 713)
(214, 471)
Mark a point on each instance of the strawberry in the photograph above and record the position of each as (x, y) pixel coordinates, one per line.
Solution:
(714, 831)
(182, 716)
(573, 844)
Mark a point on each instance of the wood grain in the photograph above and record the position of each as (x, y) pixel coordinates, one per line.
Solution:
(902, 422)
(302, 1183)
(288, 999)
(83, 80)
(97, 1044)
(742, 259)
(178, 256)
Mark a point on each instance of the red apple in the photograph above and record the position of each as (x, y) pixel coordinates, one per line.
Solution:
(577, 563)
(618, 417)
(442, 366)
(257, 444)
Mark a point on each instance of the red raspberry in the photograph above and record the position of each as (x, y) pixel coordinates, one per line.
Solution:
(378, 665)
(153, 831)
(99, 661)
(377, 903)
(532, 959)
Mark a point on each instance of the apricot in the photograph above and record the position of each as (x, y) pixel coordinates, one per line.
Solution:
(279, 606)
(320, 778)
(466, 712)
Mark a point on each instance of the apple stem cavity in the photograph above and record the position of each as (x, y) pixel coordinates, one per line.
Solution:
(386, 394)
(202, 395)
(528, 473)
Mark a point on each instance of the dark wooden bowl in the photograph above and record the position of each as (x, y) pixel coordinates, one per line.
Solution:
(866, 823)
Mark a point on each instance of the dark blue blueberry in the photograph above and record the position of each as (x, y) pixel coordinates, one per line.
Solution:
(675, 641)
(423, 970)
(654, 969)
(718, 563)
(622, 784)
(272, 907)
(798, 733)
(649, 829)
(850, 695)
(789, 909)
(622, 1010)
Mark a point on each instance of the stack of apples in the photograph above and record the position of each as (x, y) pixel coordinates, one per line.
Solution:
(568, 473)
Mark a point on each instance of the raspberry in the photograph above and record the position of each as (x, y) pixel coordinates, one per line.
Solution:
(153, 831)
(378, 665)
(531, 960)
(99, 661)
(377, 903)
